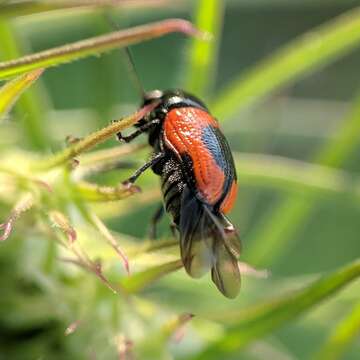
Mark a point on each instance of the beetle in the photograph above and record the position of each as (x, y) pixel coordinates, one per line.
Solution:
(198, 182)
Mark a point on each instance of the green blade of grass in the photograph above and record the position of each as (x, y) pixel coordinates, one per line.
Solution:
(272, 235)
(316, 48)
(256, 321)
(256, 170)
(11, 91)
(95, 46)
(33, 105)
(138, 281)
(342, 336)
(276, 172)
(200, 75)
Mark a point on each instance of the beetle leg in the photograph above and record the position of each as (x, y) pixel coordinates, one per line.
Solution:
(158, 214)
(138, 132)
(156, 158)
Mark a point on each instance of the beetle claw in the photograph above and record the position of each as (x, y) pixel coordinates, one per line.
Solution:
(120, 137)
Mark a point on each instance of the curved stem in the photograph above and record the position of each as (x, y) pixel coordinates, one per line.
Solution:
(92, 140)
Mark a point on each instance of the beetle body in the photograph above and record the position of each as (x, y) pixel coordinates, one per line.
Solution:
(198, 181)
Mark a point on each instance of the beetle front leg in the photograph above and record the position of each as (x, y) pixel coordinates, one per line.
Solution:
(138, 132)
(155, 159)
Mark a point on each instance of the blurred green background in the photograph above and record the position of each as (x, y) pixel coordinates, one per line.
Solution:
(294, 231)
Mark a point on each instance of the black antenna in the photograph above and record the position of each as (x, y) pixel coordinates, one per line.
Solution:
(134, 74)
(130, 60)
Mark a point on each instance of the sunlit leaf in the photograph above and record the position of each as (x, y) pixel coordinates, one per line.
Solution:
(11, 91)
(33, 104)
(201, 71)
(341, 337)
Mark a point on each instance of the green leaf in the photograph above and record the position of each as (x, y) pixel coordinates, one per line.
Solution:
(316, 48)
(277, 172)
(275, 231)
(256, 321)
(11, 91)
(94, 46)
(33, 104)
(201, 71)
(140, 280)
(342, 336)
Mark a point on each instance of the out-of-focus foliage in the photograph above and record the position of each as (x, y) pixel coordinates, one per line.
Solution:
(79, 279)
(10, 92)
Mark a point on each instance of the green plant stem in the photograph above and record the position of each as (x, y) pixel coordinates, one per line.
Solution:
(30, 7)
(316, 48)
(255, 170)
(342, 336)
(276, 172)
(94, 46)
(274, 233)
(201, 70)
(93, 192)
(11, 91)
(92, 140)
(32, 105)
(256, 321)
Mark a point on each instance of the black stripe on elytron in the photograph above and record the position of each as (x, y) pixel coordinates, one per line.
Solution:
(218, 146)
(231, 175)
(210, 138)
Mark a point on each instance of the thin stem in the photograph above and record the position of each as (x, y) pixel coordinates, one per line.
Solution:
(96, 45)
(24, 204)
(110, 239)
(29, 7)
(92, 140)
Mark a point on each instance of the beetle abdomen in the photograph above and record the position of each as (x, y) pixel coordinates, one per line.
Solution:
(172, 185)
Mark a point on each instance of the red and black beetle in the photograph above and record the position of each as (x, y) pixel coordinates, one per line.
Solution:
(198, 181)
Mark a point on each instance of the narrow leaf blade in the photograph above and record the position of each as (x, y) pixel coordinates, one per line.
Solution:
(307, 53)
(11, 91)
(94, 46)
(254, 322)
(201, 71)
